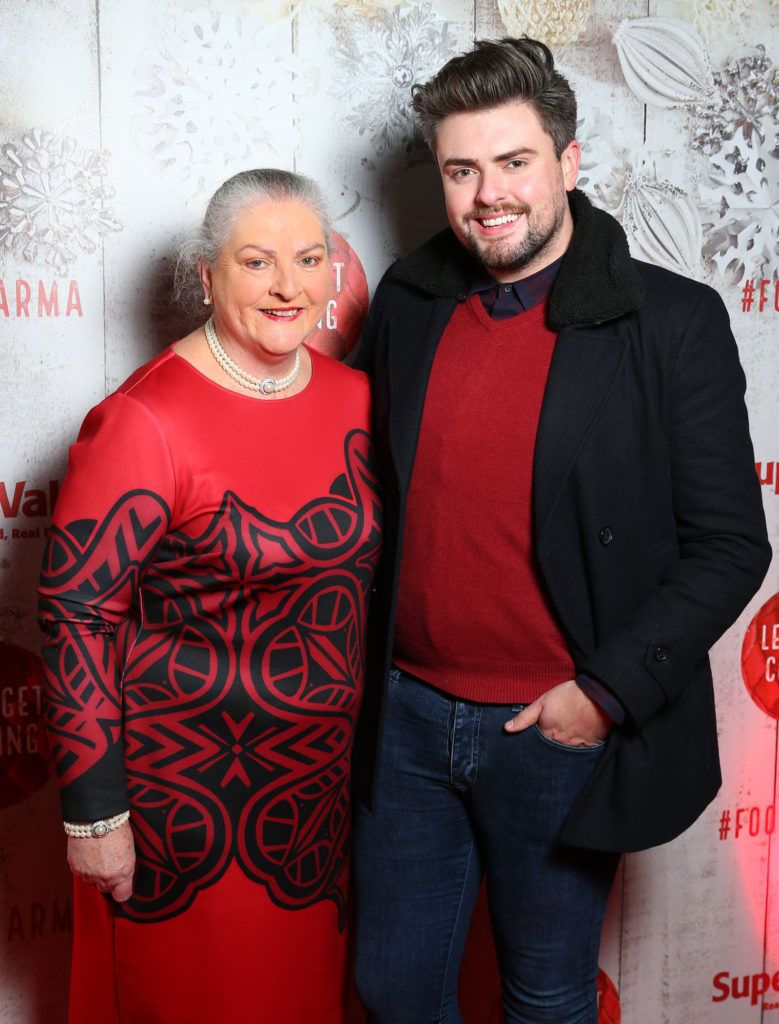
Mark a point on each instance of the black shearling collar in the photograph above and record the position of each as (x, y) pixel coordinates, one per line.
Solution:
(597, 279)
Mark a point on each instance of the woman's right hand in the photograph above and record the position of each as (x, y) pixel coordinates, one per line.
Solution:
(107, 863)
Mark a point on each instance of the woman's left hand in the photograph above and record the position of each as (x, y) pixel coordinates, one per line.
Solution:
(107, 863)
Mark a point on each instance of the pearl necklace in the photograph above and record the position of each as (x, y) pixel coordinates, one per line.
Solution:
(264, 385)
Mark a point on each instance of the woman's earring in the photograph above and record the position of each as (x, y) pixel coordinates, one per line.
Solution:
(206, 301)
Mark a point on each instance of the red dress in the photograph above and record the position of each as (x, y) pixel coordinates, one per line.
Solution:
(204, 597)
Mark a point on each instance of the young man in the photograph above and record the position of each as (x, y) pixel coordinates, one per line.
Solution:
(572, 520)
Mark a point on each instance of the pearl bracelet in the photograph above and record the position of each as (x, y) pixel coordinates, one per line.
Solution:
(95, 829)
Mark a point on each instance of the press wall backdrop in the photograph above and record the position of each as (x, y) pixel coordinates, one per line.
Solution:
(118, 121)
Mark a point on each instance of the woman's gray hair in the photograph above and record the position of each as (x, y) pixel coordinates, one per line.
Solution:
(224, 208)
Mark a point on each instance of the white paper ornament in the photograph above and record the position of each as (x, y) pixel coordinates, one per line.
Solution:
(664, 61)
(663, 224)
(554, 24)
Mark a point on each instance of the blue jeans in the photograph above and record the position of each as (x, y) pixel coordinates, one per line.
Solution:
(459, 797)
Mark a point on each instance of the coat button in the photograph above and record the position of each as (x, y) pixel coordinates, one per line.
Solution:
(606, 536)
(661, 654)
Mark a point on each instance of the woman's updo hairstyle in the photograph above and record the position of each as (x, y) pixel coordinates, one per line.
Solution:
(224, 208)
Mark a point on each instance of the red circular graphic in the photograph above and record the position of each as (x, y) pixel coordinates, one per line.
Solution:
(760, 658)
(24, 753)
(346, 310)
(608, 1001)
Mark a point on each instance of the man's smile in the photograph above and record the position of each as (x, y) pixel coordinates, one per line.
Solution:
(493, 222)
(498, 222)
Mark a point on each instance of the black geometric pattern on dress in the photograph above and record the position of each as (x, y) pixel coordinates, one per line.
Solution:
(241, 690)
(89, 569)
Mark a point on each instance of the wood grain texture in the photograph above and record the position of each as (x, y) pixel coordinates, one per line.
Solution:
(176, 96)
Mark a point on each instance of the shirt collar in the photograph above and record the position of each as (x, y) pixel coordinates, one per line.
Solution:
(525, 293)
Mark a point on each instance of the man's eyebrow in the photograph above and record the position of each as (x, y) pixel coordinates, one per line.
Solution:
(460, 161)
(521, 151)
(464, 161)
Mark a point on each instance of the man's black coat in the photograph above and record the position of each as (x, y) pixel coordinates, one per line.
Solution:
(648, 520)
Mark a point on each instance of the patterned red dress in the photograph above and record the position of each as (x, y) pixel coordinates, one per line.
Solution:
(203, 600)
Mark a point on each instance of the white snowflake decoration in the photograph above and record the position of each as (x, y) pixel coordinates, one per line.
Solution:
(380, 58)
(54, 200)
(604, 166)
(743, 206)
(220, 91)
(746, 95)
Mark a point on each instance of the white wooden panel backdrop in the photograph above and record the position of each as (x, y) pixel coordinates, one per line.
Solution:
(120, 119)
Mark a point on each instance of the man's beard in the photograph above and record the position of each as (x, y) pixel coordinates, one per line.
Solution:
(509, 255)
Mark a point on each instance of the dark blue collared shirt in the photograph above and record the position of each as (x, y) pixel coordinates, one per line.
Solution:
(506, 300)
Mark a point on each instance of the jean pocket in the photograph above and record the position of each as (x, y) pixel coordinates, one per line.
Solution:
(590, 748)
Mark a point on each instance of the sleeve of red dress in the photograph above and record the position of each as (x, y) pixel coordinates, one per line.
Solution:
(112, 513)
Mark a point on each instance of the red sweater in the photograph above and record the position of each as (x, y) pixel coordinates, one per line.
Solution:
(473, 617)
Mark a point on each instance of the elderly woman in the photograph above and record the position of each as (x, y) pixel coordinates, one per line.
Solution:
(203, 600)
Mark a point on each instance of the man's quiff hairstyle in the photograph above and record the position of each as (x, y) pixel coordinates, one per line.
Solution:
(495, 72)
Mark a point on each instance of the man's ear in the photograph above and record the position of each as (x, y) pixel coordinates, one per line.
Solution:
(569, 161)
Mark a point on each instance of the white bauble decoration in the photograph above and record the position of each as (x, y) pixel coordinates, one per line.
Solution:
(554, 24)
(663, 224)
(664, 61)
